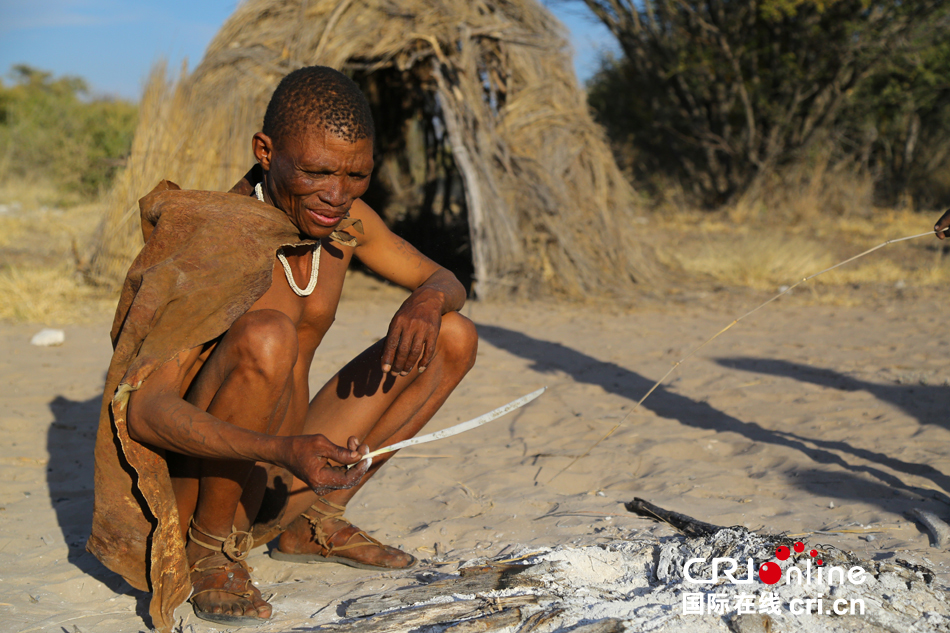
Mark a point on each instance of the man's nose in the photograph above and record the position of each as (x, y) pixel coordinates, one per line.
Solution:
(335, 193)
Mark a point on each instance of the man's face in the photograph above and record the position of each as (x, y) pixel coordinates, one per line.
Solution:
(315, 177)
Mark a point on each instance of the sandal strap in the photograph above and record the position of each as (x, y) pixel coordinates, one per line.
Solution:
(323, 537)
(238, 582)
(370, 541)
(339, 510)
(235, 546)
(316, 522)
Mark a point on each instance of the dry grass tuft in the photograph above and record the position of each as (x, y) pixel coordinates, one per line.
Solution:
(51, 296)
(780, 239)
(38, 278)
(794, 225)
(753, 262)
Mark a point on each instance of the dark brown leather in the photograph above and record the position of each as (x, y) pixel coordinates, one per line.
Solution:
(207, 258)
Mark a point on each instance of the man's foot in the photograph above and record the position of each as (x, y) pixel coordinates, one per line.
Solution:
(322, 535)
(222, 590)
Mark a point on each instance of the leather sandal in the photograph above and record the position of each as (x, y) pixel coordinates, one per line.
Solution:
(228, 557)
(329, 552)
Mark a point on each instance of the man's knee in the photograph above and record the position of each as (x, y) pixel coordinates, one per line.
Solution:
(458, 340)
(265, 343)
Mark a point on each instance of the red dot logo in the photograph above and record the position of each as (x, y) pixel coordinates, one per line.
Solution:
(770, 573)
(799, 547)
(820, 562)
(782, 553)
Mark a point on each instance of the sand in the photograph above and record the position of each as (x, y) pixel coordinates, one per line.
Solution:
(825, 423)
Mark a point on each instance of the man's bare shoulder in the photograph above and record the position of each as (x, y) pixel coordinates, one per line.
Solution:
(372, 223)
(388, 254)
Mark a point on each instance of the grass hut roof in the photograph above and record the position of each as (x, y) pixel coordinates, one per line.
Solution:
(484, 137)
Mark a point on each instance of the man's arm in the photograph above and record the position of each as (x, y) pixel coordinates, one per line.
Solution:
(157, 415)
(414, 329)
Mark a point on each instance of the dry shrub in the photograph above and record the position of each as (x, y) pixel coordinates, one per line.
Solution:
(51, 296)
(35, 231)
(38, 278)
(548, 210)
(754, 262)
(801, 226)
(807, 192)
(11, 229)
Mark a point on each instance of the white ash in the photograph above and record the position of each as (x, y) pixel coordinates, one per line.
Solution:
(641, 582)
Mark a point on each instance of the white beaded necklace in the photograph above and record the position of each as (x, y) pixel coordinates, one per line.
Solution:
(314, 266)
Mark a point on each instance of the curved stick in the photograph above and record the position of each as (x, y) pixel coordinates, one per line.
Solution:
(459, 428)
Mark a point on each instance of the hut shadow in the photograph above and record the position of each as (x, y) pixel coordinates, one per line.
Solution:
(925, 403)
(548, 356)
(70, 441)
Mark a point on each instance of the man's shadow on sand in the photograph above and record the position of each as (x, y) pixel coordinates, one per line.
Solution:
(71, 440)
(548, 356)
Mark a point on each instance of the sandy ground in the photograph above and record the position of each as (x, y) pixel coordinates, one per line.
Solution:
(824, 422)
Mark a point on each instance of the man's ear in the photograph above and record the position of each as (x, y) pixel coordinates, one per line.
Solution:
(263, 149)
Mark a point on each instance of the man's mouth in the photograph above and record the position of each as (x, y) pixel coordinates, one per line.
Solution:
(324, 219)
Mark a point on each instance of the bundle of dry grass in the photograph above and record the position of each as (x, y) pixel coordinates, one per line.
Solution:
(481, 123)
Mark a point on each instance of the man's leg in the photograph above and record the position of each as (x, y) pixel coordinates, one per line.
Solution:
(246, 381)
(379, 410)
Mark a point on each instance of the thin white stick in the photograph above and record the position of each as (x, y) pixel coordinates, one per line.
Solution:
(459, 428)
(723, 331)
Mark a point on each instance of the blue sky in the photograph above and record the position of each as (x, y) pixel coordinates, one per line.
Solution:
(113, 43)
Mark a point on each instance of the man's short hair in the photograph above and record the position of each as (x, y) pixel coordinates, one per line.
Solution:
(317, 97)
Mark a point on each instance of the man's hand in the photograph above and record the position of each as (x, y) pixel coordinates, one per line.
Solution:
(413, 332)
(940, 228)
(414, 329)
(309, 457)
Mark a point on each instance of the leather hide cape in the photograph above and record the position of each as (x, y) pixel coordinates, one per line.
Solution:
(208, 256)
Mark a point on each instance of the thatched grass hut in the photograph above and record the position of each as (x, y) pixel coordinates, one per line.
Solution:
(487, 156)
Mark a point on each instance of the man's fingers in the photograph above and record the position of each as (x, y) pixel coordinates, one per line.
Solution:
(354, 473)
(338, 477)
(340, 454)
(402, 354)
(940, 228)
(431, 340)
(409, 344)
(389, 350)
(332, 477)
(415, 353)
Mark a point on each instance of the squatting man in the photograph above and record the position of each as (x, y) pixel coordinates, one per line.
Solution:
(210, 442)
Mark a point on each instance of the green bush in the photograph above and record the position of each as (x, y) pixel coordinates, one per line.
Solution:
(717, 96)
(52, 131)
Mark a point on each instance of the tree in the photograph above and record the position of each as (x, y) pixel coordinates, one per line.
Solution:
(897, 124)
(51, 130)
(718, 93)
